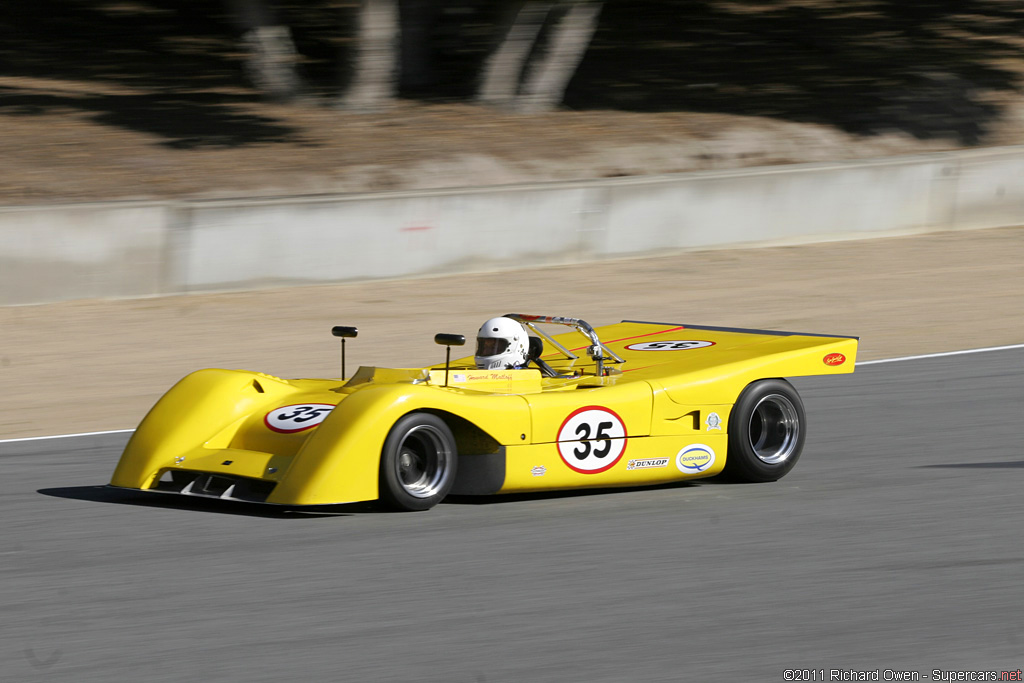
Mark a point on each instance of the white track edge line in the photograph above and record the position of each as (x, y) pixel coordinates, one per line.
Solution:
(67, 436)
(866, 362)
(942, 355)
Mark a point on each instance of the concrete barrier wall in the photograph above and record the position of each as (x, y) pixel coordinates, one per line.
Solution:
(293, 241)
(125, 249)
(81, 251)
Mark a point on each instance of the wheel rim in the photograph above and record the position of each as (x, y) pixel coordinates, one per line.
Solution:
(774, 429)
(422, 461)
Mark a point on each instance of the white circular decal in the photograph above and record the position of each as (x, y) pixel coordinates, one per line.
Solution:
(669, 345)
(695, 458)
(298, 417)
(591, 439)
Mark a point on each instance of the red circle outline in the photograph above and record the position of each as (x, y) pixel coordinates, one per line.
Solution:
(671, 341)
(625, 439)
(300, 429)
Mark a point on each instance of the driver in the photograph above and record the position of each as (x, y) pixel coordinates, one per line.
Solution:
(501, 344)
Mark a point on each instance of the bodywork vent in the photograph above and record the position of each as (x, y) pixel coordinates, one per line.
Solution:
(207, 485)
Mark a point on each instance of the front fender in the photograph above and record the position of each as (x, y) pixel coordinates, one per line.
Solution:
(340, 463)
(199, 406)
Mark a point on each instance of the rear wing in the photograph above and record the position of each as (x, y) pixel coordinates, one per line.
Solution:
(701, 353)
(746, 330)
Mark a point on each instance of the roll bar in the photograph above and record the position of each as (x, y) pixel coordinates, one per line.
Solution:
(596, 350)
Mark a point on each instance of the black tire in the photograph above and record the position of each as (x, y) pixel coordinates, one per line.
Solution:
(767, 429)
(418, 463)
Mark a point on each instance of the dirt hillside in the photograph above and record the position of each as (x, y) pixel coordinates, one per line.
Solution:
(148, 99)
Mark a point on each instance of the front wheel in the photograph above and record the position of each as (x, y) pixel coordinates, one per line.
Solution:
(418, 463)
(767, 428)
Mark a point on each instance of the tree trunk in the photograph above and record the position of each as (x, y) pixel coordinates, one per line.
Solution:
(270, 53)
(418, 18)
(374, 81)
(544, 86)
(503, 69)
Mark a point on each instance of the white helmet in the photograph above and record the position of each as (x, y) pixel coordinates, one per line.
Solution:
(501, 343)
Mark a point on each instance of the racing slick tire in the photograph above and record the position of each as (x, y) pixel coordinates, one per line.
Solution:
(767, 428)
(418, 463)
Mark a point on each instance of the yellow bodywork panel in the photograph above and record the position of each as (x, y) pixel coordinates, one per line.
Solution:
(340, 462)
(490, 381)
(204, 405)
(661, 415)
(643, 460)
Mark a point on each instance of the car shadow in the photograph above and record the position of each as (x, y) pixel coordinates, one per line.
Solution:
(1010, 464)
(116, 496)
(574, 493)
(106, 494)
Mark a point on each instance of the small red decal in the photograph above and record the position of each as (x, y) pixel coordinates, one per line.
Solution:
(834, 359)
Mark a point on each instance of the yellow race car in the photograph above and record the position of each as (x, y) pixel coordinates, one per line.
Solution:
(621, 405)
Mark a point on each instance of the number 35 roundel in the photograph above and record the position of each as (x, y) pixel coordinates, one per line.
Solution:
(297, 418)
(591, 439)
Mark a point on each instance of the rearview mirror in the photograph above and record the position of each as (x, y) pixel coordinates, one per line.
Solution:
(344, 333)
(450, 339)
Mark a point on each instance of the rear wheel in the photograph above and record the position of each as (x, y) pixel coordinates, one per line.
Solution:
(767, 428)
(418, 463)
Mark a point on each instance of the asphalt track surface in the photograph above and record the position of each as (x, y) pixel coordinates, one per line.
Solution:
(896, 544)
